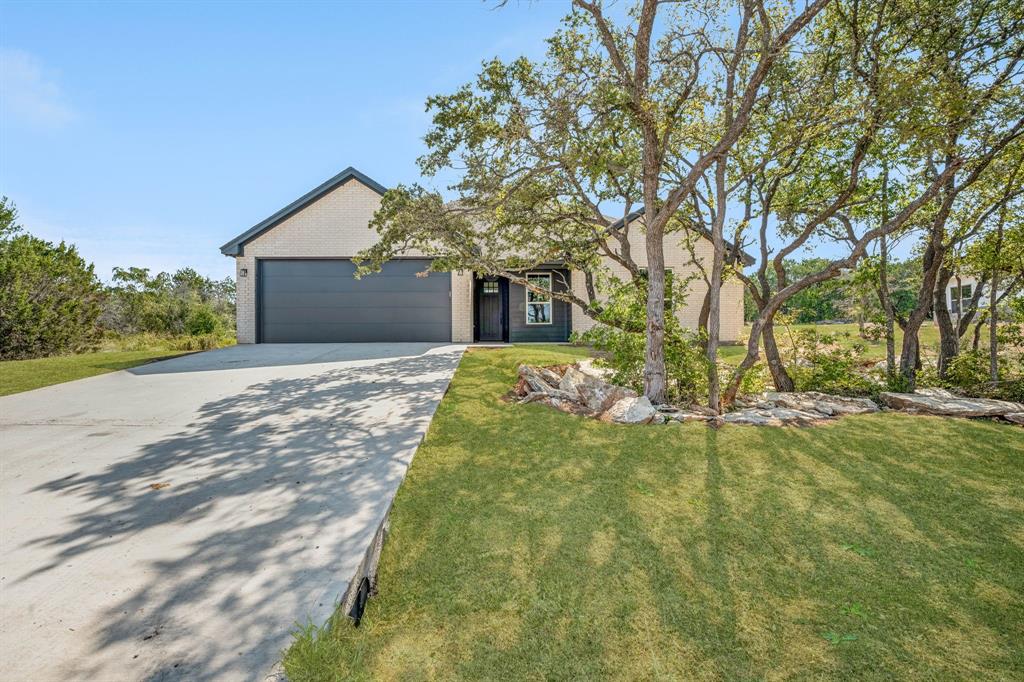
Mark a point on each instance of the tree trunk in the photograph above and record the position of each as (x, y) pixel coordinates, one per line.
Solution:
(715, 287)
(993, 314)
(780, 377)
(993, 302)
(702, 318)
(931, 262)
(949, 340)
(654, 353)
(976, 343)
(883, 281)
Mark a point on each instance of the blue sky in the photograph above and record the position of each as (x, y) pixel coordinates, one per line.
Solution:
(149, 134)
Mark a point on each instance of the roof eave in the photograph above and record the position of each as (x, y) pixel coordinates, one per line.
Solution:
(235, 247)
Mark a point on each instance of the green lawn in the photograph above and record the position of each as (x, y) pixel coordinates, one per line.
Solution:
(24, 375)
(530, 544)
(847, 336)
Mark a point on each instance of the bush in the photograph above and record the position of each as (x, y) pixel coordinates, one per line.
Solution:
(685, 363)
(49, 299)
(202, 321)
(968, 374)
(824, 365)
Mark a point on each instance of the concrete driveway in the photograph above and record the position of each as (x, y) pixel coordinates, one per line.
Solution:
(176, 520)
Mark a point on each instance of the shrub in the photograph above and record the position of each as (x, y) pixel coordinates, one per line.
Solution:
(824, 365)
(968, 374)
(202, 321)
(49, 299)
(756, 380)
(685, 363)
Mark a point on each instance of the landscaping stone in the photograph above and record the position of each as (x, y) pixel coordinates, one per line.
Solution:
(582, 389)
(630, 410)
(542, 380)
(777, 416)
(684, 417)
(595, 393)
(813, 401)
(943, 403)
(587, 366)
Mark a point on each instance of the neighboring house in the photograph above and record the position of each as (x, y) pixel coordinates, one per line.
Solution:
(295, 283)
(961, 292)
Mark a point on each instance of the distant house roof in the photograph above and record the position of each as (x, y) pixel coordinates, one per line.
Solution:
(744, 256)
(234, 247)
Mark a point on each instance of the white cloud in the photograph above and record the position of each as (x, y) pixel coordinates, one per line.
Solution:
(30, 93)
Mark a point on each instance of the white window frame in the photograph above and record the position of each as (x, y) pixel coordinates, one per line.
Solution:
(549, 303)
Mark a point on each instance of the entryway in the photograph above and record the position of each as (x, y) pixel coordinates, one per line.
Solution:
(490, 307)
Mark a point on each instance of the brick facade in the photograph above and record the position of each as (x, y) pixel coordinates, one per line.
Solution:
(678, 259)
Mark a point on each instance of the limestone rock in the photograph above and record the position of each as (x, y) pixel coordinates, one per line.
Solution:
(630, 410)
(943, 403)
(813, 401)
(540, 380)
(587, 366)
(597, 394)
(684, 417)
(777, 416)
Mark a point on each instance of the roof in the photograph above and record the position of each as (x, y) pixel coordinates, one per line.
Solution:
(630, 217)
(234, 247)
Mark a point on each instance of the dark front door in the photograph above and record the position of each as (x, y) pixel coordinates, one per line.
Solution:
(489, 307)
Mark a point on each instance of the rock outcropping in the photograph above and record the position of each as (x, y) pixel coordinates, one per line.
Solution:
(941, 402)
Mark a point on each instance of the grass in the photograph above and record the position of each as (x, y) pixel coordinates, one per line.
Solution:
(114, 353)
(530, 544)
(24, 375)
(846, 335)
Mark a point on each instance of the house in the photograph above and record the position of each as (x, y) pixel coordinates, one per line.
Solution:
(295, 283)
(961, 291)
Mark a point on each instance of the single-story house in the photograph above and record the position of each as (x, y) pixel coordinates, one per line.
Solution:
(295, 283)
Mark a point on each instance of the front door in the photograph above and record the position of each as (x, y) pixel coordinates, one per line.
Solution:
(489, 318)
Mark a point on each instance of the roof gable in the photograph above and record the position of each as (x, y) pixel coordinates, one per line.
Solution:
(234, 247)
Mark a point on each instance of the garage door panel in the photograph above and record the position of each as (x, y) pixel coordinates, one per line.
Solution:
(325, 315)
(320, 301)
(437, 282)
(408, 299)
(328, 333)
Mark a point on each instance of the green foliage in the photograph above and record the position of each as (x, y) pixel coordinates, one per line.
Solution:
(49, 296)
(184, 302)
(847, 297)
(623, 350)
(8, 219)
(823, 364)
(203, 320)
(968, 374)
(824, 301)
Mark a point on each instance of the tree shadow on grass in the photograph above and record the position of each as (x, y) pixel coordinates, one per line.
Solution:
(275, 492)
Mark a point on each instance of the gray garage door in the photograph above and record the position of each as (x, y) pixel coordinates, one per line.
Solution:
(314, 301)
